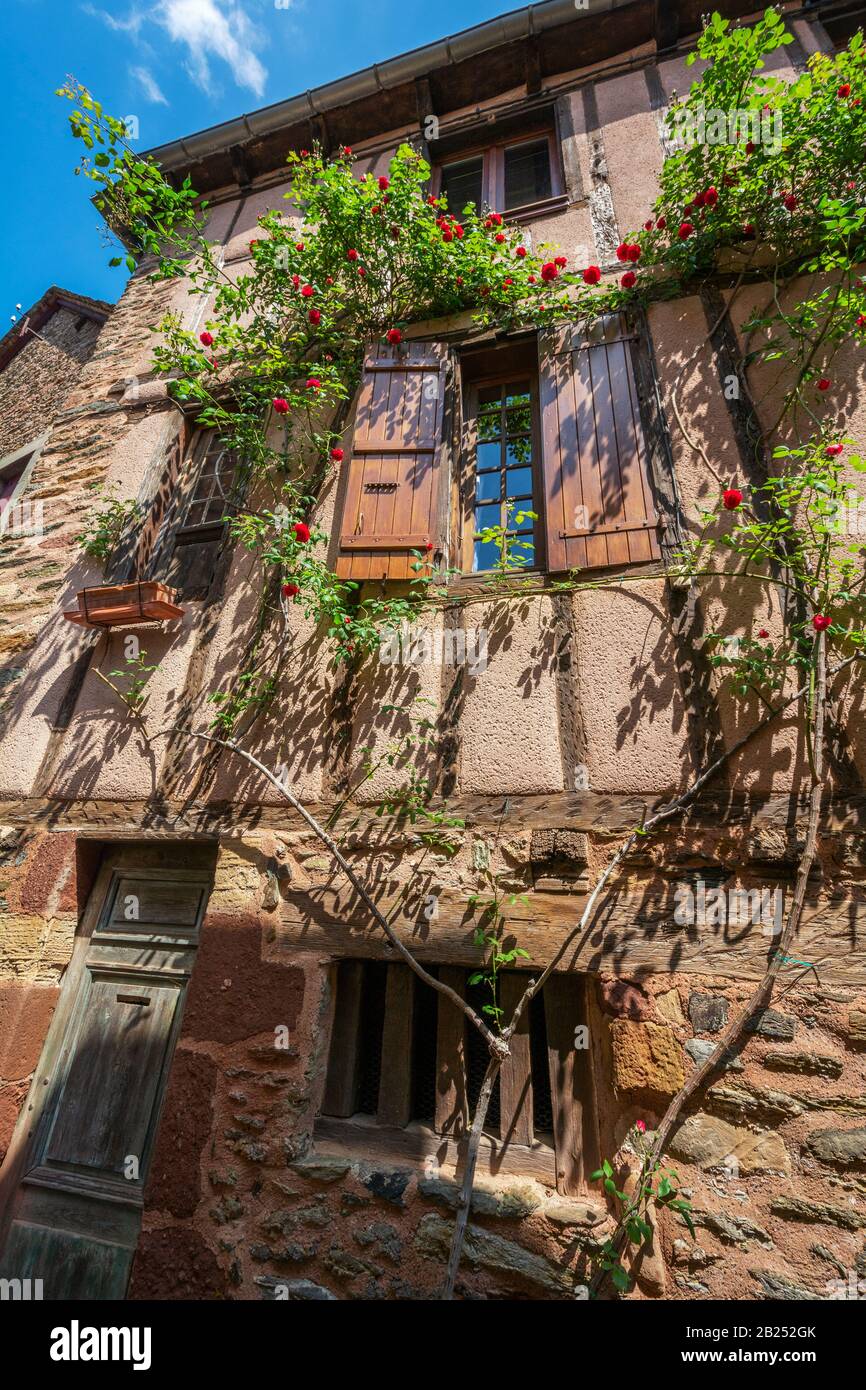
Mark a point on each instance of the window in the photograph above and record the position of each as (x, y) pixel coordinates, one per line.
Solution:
(501, 464)
(213, 494)
(8, 483)
(509, 176)
(402, 1058)
(534, 439)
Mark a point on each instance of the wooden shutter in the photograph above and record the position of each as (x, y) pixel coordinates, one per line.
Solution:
(598, 498)
(393, 493)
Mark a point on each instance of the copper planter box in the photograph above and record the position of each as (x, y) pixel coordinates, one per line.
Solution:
(115, 605)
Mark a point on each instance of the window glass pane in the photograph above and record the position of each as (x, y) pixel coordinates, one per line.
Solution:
(487, 516)
(486, 556)
(519, 421)
(462, 182)
(490, 397)
(527, 173)
(487, 487)
(518, 452)
(518, 395)
(488, 455)
(520, 521)
(518, 482)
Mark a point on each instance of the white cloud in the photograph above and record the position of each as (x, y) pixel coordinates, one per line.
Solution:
(209, 31)
(131, 25)
(149, 85)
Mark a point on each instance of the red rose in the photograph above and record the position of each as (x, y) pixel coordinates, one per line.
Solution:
(687, 209)
(484, 290)
(375, 208)
(433, 202)
(361, 271)
(351, 254)
(629, 280)
(495, 219)
(428, 545)
(302, 532)
(844, 90)
(308, 291)
(763, 632)
(648, 226)
(591, 275)
(499, 238)
(395, 336)
(697, 202)
(520, 251)
(299, 246)
(347, 150)
(731, 498)
(833, 450)
(790, 201)
(305, 154)
(634, 253)
(384, 182)
(458, 231)
(252, 244)
(459, 280)
(711, 197)
(748, 230)
(622, 251)
(213, 364)
(313, 383)
(686, 230)
(750, 147)
(532, 280)
(549, 271)
(315, 317)
(507, 282)
(296, 280)
(329, 280)
(861, 320)
(280, 405)
(206, 338)
(337, 455)
(821, 622)
(289, 590)
(662, 223)
(561, 261)
(448, 235)
(824, 383)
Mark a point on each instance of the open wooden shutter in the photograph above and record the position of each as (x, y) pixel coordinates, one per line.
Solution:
(598, 498)
(392, 501)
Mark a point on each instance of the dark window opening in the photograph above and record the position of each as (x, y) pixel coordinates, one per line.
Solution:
(371, 1027)
(463, 182)
(355, 1061)
(8, 483)
(424, 1022)
(527, 174)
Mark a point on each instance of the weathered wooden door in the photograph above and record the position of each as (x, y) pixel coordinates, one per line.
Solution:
(74, 1178)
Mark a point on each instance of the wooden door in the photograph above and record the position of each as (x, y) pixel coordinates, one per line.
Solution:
(72, 1186)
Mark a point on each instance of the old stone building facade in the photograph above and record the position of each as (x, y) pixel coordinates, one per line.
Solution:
(234, 1089)
(41, 358)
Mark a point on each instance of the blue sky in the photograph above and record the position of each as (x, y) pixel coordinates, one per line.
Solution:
(178, 66)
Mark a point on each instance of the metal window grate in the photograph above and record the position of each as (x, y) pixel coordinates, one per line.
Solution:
(371, 1026)
(424, 1033)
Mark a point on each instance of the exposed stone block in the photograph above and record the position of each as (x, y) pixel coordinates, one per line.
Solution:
(646, 1057)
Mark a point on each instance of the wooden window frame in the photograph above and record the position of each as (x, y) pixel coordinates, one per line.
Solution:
(468, 471)
(195, 458)
(492, 153)
(564, 1159)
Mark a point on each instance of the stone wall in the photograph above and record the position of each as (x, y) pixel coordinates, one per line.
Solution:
(41, 375)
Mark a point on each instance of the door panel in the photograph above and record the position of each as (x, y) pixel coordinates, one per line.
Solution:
(71, 1190)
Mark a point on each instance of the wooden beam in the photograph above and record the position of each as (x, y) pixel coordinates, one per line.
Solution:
(395, 1085)
(571, 1084)
(532, 67)
(666, 24)
(341, 1087)
(515, 1078)
(364, 1137)
(451, 1105)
